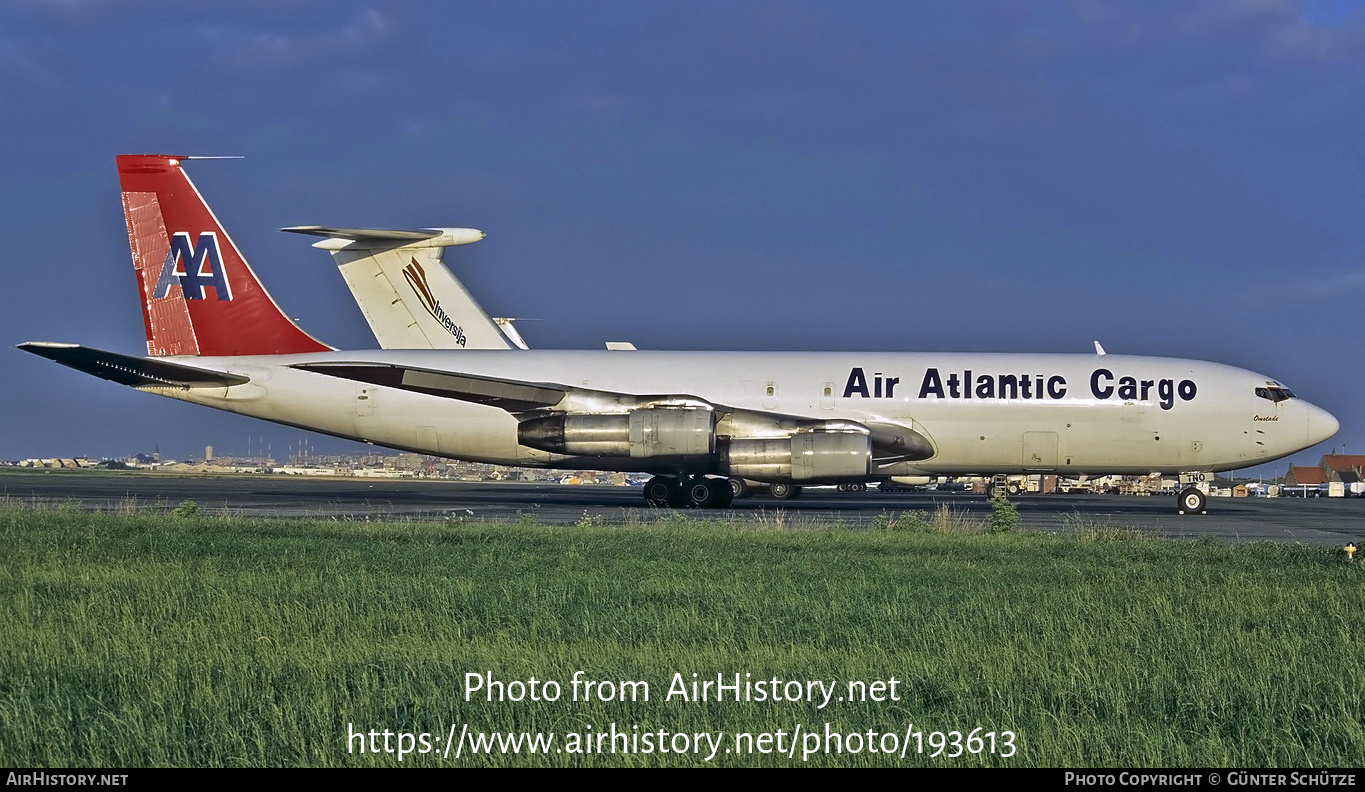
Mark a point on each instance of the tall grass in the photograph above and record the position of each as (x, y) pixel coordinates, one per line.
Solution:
(135, 639)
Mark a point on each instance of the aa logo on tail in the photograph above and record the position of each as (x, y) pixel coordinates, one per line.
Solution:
(193, 267)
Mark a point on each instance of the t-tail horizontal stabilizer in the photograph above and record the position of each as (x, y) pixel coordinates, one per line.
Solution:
(389, 237)
(135, 372)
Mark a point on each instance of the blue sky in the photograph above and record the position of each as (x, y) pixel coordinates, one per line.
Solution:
(1172, 178)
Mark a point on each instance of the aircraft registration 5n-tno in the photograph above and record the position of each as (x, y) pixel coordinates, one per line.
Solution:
(216, 338)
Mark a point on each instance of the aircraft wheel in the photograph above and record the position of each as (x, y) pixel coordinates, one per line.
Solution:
(1012, 488)
(1192, 501)
(699, 493)
(738, 488)
(659, 492)
(725, 493)
(784, 491)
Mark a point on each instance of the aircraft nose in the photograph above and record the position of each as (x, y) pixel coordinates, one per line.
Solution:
(1321, 424)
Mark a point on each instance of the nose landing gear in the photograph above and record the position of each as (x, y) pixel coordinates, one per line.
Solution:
(691, 492)
(1192, 501)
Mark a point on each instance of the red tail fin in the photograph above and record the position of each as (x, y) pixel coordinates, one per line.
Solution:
(199, 296)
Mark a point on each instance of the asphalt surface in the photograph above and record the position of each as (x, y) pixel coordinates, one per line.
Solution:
(1325, 521)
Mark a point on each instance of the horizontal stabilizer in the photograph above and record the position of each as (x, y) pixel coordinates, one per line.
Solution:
(133, 371)
(388, 238)
(365, 233)
(509, 395)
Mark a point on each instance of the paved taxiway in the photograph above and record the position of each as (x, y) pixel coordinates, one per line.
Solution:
(1334, 521)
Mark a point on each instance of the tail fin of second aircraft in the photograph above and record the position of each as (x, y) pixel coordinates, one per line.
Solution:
(409, 297)
(199, 296)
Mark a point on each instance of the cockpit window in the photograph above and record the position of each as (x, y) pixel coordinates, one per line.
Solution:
(1275, 394)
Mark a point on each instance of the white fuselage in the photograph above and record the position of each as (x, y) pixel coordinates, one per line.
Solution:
(1078, 413)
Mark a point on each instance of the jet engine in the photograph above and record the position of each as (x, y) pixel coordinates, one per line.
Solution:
(805, 456)
(639, 434)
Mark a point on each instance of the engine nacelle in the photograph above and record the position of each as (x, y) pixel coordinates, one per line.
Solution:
(639, 434)
(805, 456)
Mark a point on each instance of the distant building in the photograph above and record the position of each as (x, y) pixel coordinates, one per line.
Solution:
(1346, 468)
(1336, 475)
(1301, 476)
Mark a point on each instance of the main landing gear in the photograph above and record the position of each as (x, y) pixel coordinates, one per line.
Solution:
(745, 489)
(690, 492)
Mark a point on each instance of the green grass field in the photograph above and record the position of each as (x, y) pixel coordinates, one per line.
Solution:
(149, 640)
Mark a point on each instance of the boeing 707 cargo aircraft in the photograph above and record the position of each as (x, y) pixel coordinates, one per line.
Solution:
(216, 338)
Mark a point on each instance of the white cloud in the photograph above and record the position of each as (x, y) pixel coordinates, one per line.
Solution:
(1277, 28)
(360, 33)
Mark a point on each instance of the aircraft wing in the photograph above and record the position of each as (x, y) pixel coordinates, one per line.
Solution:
(511, 395)
(514, 396)
(133, 371)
